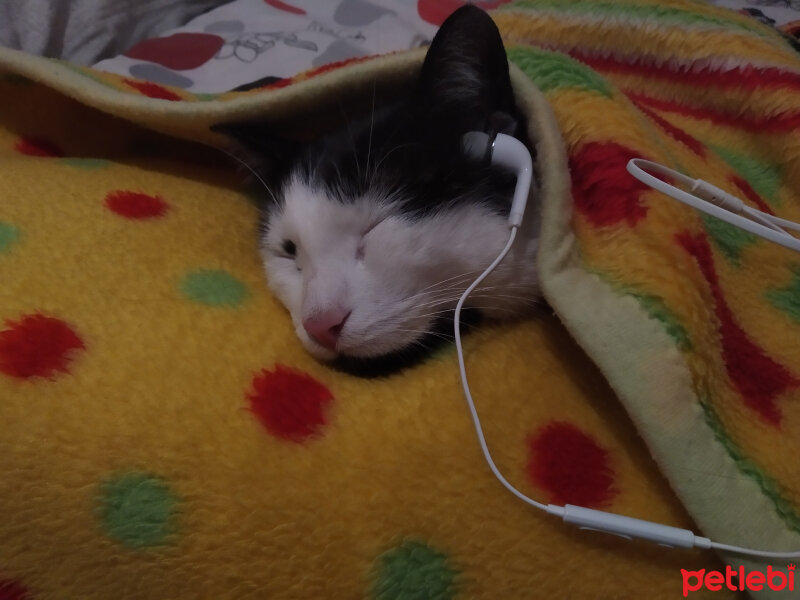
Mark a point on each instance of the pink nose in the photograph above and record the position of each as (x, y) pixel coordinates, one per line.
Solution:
(325, 327)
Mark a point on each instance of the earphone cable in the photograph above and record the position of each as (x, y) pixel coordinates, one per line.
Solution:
(586, 518)
(459, 349)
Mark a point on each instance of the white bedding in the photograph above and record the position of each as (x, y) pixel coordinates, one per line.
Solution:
(85, 31)
(250, 41)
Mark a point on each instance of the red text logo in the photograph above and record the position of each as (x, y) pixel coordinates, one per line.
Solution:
(741, 580)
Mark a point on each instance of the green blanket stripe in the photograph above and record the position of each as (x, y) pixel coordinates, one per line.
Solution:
(730, 240)
(616, 10)
(764, 178)
(658, 310)
(657, 136)
(769, 486)
(654, 306)
(553, 70)
(787, 299)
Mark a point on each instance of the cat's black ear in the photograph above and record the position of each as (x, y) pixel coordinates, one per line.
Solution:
(257, 145)
(464, 82)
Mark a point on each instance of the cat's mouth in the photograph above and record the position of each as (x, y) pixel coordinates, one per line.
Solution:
(437, 338)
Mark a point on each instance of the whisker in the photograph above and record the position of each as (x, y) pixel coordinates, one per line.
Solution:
(508, 296)
(478, 307)
(459, 288)
(466, 274)
(253, 171)
(499, 270)
(350, 135)
(473, 296)
(339, 177)
(425, 331)
(397, 147)
(371, 125)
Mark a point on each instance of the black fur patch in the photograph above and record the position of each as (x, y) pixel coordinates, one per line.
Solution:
(398, 361)
(411, 150)
(391, 154)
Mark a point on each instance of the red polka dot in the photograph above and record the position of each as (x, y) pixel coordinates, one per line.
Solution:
(11, 590)
(37, 346)
(570, 465)
(36, 146)
(603, 190)
(152, 90)
(133, 205)
(290, 404)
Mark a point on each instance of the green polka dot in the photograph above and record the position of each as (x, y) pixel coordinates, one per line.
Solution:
(90, 164)
(8, 235)
(206, 97)
(138, 510)
(215, 288)
(414, 571)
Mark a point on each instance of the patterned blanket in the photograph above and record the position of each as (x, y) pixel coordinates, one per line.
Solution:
(164, 435)
(694, 322)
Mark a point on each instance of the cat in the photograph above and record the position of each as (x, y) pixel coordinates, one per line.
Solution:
(371, 232)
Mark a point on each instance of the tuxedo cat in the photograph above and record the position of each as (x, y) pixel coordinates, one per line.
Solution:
(370, 233)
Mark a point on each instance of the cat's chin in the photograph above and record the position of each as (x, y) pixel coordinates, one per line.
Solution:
(381, 365)
(405, 357)
(314, 349)
(384, 365)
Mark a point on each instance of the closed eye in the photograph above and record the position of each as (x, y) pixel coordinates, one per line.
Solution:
(289, 248)
(360, 249)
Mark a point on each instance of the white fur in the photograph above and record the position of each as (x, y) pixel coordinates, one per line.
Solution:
(410, 270)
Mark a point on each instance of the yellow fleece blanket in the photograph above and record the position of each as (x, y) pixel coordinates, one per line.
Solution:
(164, 435)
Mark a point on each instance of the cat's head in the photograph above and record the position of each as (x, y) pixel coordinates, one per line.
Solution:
(371, 232)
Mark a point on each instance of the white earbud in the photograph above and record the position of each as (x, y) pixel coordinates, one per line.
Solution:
(509, 152)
